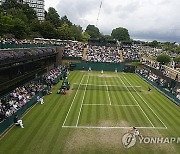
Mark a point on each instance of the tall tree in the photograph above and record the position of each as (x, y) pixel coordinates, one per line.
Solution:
(76, 32)
(19, 28)
(65, 32)
(9, 4)
(93, 31)
(65, 19)
(29, 12)
(6, 23)
(85, 37)
(154, 44)
(35, 25)
(18, 13)
(53, 17)
(177, 59)
(163, 59)
(120, 34)
(47, 30)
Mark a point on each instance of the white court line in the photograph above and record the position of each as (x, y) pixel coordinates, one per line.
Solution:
(72, 102)
(137, 102)
(105, 85)
(108, 105)
(148, 105)
(94, 127)
(82, 103)
(108, 93)
(106, 81)
(100, 75)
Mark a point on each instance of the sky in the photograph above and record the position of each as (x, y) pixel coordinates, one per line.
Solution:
(145, 19)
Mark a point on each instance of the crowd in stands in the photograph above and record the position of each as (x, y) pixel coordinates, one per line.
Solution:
(50, 77)
(102, 54)
(163, 83)
(18, 54)
(156, 66)
(12, 102)
(74, 49)
(130, 53)
(155, 52)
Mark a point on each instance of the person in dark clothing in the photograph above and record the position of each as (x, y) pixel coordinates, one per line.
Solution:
(149, 89)
(176, 79)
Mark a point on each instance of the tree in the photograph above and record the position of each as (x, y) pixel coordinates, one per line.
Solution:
(53, 17)
(177, 59)
(163, 59)
(108, 37)
(154, 44)
(65, 32)
(18, 13)
(177, 50)
(65, 19)
(29, 12)
(93, 31)
(19, 28)
(35, 25)
(85, 37)
(76, 32)
(48, 30)
(6, 23)
(120, 34)
(9, 4)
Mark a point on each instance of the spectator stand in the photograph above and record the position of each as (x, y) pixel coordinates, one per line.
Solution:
(8, 121)
(169, 90)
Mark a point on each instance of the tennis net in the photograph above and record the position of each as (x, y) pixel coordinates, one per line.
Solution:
(76, 86)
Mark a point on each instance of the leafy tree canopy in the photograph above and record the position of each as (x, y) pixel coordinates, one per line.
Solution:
(65, 19)
(65, 32)
(163, 59)
(53, 17)
(177, 59)
(121, 34)
(93, 31)
(85, 37)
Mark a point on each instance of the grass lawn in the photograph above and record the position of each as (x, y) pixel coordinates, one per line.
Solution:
(93, 117)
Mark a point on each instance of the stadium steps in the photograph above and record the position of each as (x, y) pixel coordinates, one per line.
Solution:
(121, 56)
(84, 53)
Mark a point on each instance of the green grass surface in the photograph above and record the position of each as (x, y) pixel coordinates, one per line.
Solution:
(94, 121)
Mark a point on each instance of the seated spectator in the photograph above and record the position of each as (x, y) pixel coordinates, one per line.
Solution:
(73, 49)
(103, 54)
(12, 102)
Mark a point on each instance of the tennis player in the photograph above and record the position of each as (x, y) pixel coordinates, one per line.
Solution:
(134, 131)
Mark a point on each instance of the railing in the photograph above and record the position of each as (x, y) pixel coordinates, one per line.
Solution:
(71, 58)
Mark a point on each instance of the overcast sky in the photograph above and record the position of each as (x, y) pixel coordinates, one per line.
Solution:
(145, 19)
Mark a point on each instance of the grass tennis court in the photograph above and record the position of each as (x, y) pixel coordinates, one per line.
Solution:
(92, 118)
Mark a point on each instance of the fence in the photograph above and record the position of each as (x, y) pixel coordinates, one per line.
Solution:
(98, 66)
